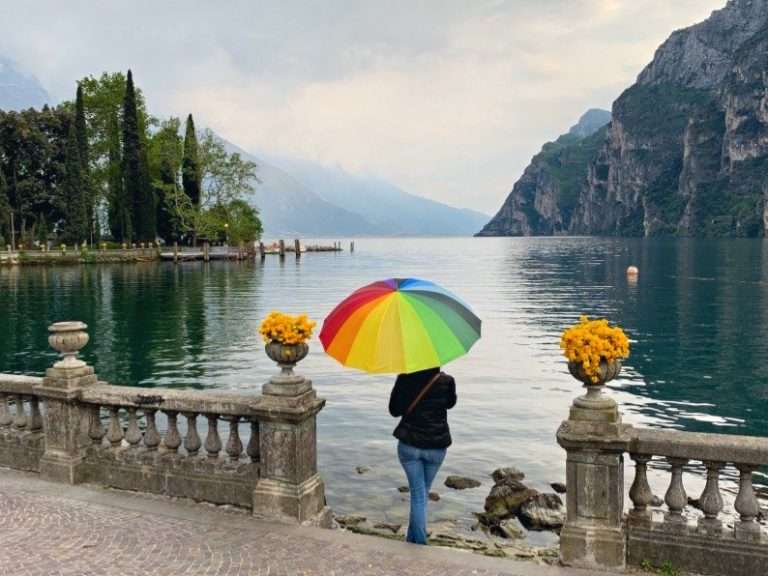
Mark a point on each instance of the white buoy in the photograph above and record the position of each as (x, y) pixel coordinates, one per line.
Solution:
(632, 271)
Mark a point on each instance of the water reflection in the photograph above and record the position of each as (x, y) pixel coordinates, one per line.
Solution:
(697, 315)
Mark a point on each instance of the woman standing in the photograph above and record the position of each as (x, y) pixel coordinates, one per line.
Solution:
(422, 400)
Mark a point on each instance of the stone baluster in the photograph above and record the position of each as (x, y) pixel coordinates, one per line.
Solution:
(192, 440)
(96, 430)
(234, 444)
(151, 435)
(746, 504)
(132, 433)
(172, 439)
(711, 501)
(640, 493)
(20, 419)
(115, 432)
(35, 417)
(254, 446)
(212, 439)
(5, 413)
(676, 498)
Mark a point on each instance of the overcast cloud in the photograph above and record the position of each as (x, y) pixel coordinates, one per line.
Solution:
(446, 99)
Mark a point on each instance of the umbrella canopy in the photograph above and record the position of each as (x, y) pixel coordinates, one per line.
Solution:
(400, 325)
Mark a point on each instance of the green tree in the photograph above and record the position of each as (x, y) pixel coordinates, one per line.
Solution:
(118, 205)
(75, 227)
(104, 98)
(191, 174)
(165, 158)
(243, 223)
(32, 158)
(81, 131)
(226, 178)
(136, 169)
(5, 212)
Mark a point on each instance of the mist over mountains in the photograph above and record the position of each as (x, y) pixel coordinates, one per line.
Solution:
(301, 198)
(19, 91)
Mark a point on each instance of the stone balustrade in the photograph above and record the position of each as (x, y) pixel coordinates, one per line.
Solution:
(741, 549)
(598, 534)
(21, 423)
(256, 451)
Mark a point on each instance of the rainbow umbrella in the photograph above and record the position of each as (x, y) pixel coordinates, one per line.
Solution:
(400, 325)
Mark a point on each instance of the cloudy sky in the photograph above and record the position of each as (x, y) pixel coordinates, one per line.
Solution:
(446, 99)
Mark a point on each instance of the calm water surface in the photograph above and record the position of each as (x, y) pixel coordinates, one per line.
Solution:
(697, 317)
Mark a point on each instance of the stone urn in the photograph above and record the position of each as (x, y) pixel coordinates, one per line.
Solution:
(594, 398)
(68, 338)
(286, 383)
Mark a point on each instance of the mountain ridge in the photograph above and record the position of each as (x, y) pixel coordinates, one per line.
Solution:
(685, 153)
(19, 91)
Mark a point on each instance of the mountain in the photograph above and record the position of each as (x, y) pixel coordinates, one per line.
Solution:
(543, 200)
(18, 91)
(685, 153)
(288, 208)
(388, 209)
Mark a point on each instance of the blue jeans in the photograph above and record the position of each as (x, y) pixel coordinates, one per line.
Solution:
(421, 466)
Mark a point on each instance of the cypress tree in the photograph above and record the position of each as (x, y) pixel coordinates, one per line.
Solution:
(119, 206)
(82, 147)
(136, 182)
(76, 215)
(5, 211)
(190, 164)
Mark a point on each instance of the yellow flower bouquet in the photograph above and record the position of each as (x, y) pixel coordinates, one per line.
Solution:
(594, 350)
(286, 329)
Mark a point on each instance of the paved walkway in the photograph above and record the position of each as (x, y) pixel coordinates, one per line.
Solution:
(55, 530)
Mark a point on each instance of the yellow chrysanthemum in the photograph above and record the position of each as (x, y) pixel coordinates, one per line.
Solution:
(286, 329)
(591, 341)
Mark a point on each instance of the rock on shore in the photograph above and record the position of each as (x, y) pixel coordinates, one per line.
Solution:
(542, 512)
(461, 482)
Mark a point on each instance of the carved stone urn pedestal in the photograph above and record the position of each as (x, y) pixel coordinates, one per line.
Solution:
(290, 488)
(595, 440)
(65, 421)
(596, 411)
(286, 383)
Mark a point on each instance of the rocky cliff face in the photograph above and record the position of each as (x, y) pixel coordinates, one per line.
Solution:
(686, 151)
(542, 201)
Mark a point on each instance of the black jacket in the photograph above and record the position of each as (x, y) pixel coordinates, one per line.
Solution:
(427, 425)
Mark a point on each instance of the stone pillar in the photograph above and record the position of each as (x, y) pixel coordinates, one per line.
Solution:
(289, 487)
(595, 441)
(66, 422)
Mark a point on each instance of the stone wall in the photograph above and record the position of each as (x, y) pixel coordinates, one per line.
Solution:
(256, 452)
(599, 535)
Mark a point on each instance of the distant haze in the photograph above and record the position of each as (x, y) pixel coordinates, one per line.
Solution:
(446, 99)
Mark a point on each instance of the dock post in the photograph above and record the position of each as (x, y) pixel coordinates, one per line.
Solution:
(206, 255)
(262, 251)
(352, 246)
(297, 247)
(176, 252)
(282, 249)
(241, 250)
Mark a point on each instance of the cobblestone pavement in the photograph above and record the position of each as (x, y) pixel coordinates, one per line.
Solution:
(50, 530)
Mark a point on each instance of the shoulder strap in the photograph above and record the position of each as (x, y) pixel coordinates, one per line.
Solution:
(423, 393)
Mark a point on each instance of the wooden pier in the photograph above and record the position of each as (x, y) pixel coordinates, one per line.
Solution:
(280, 248)
(146, 252)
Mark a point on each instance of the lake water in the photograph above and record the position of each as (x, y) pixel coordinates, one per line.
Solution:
(697, 317)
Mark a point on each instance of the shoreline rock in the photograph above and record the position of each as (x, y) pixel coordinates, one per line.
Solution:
(542, 512)
(506, 497)
(507, 472)
(559, 487)
(461, 482)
